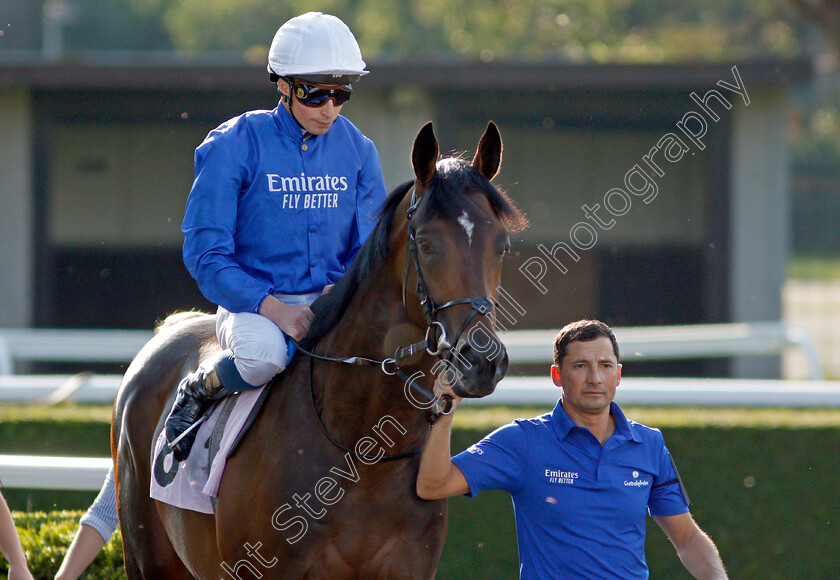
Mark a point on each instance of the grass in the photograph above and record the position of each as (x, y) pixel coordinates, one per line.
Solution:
(12, 412)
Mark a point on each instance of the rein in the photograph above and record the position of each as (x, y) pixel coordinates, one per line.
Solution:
(435, 347)
(353, 452)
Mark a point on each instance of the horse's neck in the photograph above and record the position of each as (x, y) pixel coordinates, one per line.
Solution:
(372, 310)
(355, 398)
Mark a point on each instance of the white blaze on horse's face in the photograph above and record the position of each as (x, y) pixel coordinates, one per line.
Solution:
(466, 223)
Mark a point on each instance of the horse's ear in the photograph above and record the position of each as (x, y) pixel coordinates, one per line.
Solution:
(424, 156)
(488, 156)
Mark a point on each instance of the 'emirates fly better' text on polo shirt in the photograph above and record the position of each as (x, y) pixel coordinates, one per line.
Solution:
(580, 507)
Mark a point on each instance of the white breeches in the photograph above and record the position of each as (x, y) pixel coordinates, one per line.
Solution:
(258, 345)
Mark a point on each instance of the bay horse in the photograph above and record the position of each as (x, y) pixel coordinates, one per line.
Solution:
(322, 485)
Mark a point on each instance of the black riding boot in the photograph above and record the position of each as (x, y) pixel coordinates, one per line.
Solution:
(196, 393)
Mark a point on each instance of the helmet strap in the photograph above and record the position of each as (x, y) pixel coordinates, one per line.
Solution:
(287, 99)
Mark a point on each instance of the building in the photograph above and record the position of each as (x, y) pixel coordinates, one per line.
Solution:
(657, 194)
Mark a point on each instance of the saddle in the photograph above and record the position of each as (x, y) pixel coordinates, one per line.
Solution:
(194, 483)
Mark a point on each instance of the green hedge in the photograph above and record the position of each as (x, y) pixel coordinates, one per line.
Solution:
(45, 538)
(763, 484)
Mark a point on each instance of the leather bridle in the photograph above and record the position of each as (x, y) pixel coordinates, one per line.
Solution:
(437, 346)
(480, 304)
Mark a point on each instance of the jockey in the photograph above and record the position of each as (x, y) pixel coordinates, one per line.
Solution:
(281, 203)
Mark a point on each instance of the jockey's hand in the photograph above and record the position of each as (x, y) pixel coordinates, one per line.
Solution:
(327, 288)
(294, 320)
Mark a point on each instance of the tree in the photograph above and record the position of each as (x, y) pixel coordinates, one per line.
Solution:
(487, 30)
(620, 31)
(826, 15)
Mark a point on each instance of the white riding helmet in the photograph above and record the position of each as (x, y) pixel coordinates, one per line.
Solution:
(315, 47)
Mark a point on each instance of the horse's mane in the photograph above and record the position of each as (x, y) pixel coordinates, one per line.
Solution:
(329, 307)
(445, 199)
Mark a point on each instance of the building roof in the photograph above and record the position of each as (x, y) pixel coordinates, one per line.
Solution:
(208, 71)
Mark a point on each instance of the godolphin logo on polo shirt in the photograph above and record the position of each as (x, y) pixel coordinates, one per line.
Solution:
(636, 482)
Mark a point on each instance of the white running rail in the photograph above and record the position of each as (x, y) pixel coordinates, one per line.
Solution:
(766, 338)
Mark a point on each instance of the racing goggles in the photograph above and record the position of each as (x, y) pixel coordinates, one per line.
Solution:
(315, 95)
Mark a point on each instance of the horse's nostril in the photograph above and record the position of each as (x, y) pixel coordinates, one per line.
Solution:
(490, 361)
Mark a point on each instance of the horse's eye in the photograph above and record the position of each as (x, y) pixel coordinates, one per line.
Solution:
(425, 247)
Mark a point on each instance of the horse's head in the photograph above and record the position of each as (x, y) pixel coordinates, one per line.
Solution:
(458, 226)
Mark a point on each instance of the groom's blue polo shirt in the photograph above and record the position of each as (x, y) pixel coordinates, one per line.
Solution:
(580, 507)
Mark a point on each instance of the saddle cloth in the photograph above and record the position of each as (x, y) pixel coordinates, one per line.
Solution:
(193, 484)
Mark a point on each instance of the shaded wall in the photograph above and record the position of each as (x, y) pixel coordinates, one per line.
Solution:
(112, 169)
(17, 228)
